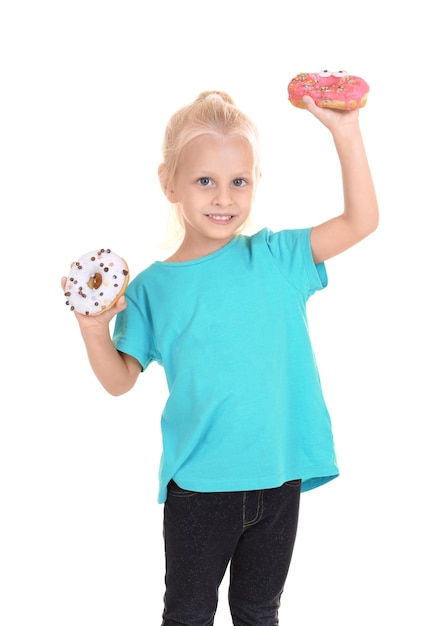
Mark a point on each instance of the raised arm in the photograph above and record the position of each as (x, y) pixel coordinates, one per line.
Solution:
(117, 372)
(360, 213)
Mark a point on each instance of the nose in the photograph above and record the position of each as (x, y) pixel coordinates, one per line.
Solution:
(222, 196)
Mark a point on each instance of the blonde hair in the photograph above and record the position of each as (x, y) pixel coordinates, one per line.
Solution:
(213, 112)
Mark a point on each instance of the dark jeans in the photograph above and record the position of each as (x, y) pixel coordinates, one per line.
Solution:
(254, 531)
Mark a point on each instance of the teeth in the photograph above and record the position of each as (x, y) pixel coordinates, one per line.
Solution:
(221, 218)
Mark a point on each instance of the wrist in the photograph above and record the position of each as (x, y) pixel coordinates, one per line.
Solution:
(93, 331)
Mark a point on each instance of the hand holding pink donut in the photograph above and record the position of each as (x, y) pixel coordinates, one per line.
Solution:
(333, 90)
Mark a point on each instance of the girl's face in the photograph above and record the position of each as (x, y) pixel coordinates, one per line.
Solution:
(214, 187)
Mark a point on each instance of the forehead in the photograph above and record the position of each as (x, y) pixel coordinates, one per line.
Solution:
(218, 150)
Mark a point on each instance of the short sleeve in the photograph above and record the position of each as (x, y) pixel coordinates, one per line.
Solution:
(292, 253)
(133, 327)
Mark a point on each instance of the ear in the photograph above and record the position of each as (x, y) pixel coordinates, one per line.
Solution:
(167, 187)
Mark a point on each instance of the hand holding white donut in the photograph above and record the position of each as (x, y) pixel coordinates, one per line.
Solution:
(94, 292)
(95, 282)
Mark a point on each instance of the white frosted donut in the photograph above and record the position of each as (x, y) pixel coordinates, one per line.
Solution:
(95, 282)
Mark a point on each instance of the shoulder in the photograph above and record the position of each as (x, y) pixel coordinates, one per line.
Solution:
(289, 241)
(290, 251)
(147, 273)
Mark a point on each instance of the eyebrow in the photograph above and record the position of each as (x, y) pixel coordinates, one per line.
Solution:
(202, 173)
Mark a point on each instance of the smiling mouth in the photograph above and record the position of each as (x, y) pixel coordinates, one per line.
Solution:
(220, 218)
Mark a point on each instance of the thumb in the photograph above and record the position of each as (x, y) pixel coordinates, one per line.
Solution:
(309, 103)
(121, 304)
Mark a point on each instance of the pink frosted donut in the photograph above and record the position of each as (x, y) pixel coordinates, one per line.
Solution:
(331, 90)
(95, 282)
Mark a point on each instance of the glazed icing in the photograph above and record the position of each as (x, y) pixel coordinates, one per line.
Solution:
(95, 282)
(329, 89)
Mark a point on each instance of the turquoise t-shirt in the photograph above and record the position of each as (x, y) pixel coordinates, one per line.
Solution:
(245, 408)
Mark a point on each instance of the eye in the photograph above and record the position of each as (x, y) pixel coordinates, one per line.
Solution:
(325, 73)
(204, 181)
(340, 74)
(239, 182)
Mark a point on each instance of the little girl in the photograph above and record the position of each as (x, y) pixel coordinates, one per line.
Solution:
(245, 427)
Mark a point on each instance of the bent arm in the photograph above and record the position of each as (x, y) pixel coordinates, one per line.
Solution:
(117, 372)
(360, 213)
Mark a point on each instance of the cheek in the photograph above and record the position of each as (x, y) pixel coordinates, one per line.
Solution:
(251, 195)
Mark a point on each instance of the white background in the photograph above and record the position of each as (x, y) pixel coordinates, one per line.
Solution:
(86, 90)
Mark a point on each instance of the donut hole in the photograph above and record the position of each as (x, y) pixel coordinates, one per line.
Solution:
(95, 281)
